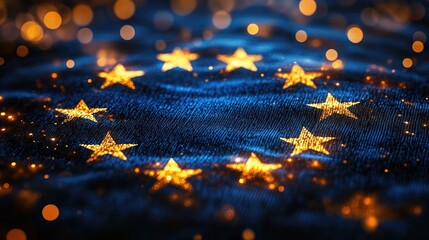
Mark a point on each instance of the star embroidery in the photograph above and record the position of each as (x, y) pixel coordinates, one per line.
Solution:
(307, 141)
(172, 174)
(119, 75)
(80, 111)
(254, 168)
(240, 59)
(107, 147)
(298, 75)
(178, 58)
(332, 106)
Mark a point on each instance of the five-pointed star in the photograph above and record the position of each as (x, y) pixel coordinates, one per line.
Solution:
(254, 168)
(80, 111)
(298, 75)
(172, 174)
(107, 146)
(332, 106)
(307, 141)
(119, 75)
(240, 59)
(178, 58)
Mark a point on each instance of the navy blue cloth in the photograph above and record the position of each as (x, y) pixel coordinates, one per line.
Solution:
(206, 120)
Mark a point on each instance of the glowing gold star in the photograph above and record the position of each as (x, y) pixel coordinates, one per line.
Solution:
(178, 58)
(332, 106)
(119, 75)
(172, 174)
(107, 147)
(298, 75)
(240, 59)
(307, 141)
(254, 168)
(80, 111)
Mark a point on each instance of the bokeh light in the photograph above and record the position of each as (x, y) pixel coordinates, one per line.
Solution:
(301, 36)
(124, 9)
(252, 29)
(16, 234)
(50, 212)
(52, 20)
(355, 34)
(127, 32)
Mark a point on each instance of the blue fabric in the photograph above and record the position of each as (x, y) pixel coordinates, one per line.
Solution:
(206, 121)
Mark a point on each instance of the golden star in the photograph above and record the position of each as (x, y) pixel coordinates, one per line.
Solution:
(307, 141)
(80, 111)
(332, 106)
(254, 168)
(298, 75)
(107, 146)
(178, 58)
(119, 75)
(172, 174)
(240, 59)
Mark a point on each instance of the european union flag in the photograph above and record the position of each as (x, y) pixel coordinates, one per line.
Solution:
(218, 119)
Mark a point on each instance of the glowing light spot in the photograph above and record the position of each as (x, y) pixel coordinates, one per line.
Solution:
(252, 29)
(183, 7)
(1, 61)
(52, 20)
(418, 46)
(307, 7)
(32, 31)
(355, 34)
(84, 35)
(221, 19)
(13, 164)
(22, 51)
(82, 15)
(124, 9)
(337, 64)
(301, 36)
(70, 63)
(54, 75)
(371, 223)
(127, 32)
(407, 62)
(331, 55)
(16, 234)
(50, 212)
(248, 234)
